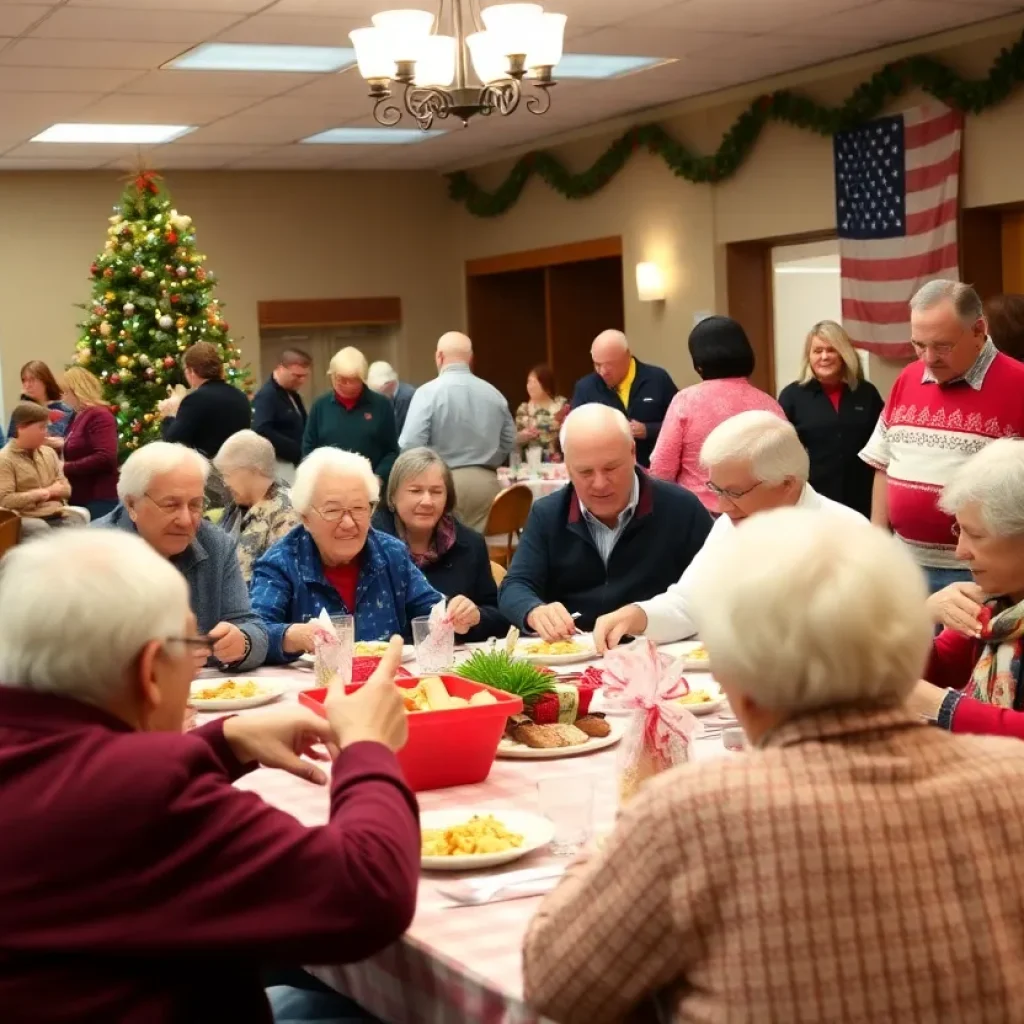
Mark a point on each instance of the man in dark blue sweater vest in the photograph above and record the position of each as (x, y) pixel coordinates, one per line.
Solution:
(613, 536)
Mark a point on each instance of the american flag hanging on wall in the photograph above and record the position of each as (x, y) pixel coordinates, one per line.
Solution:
(897, 188)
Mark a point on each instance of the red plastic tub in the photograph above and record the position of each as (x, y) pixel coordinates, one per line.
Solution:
(446, 748)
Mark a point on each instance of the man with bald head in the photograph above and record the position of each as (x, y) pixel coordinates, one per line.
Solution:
(614, 531)
(638, 390)
(467, 422)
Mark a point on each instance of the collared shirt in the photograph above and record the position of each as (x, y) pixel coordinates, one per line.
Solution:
(606, 537)
(462, 417)
(975, 376)
(626, 384)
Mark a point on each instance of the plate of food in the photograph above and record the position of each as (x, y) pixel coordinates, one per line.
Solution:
(233, 694)
(561, 652)
(464, 838)
(525, 740)
(694, 654)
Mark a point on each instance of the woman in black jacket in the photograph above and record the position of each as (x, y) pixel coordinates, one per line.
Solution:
(454, 558)
(834, 410)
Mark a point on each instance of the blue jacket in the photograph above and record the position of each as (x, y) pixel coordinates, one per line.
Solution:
(216, 589)
(289, 586)
(649, 398)
(280, 416)
(557, 560)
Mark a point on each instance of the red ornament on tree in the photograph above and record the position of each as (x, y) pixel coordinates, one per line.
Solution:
(169, 361)
(115, 379)
(94, 270)
(108, 273)
(111, 347)
(175, 299)
(136, 271)
(172, 238)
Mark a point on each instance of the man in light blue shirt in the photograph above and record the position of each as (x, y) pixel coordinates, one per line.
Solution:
(467, 422)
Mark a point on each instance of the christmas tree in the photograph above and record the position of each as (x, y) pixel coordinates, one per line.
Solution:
(152, 299)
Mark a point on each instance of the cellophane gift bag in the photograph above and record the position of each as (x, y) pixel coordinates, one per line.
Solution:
(640, 679)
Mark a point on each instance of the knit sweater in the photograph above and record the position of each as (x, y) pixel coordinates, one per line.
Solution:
(368, 428)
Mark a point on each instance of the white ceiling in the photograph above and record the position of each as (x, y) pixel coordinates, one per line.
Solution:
(99, 61)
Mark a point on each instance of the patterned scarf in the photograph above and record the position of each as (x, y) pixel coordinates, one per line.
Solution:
(440, 543)
(994, 680)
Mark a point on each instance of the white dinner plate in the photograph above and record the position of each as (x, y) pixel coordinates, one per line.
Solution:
(587, 653)
(535, 830)
(686, 650)
(268, 690)
(610, 707)
(510, 749)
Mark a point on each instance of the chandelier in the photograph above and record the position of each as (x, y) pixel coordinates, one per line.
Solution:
(510, 43)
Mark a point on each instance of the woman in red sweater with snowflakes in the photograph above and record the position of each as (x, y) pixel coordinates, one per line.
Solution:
(975, 676)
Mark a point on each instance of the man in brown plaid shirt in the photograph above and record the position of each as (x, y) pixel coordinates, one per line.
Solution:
(857, 865)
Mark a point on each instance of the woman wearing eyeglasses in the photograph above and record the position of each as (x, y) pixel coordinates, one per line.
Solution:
(161, 491)
(336, 562)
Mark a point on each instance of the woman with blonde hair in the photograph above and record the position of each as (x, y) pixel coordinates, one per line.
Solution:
(352, 416)
(90, 444)
(834, 410)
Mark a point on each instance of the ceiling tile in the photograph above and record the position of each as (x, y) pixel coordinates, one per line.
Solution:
(145, 26)
(292, 30)
(14, 163)
(15, 18)
(253, 128)
(597, 13)
(169, 81)
(647, 42)
(141, 109)
(286, 158)
(739, 16)
(183, 156)
(69, 53)
(58, 151)
(205, 6)
(95, 80)
(891, 21)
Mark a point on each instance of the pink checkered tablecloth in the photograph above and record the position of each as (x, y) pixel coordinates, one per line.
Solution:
(455, 965)
(541, 484)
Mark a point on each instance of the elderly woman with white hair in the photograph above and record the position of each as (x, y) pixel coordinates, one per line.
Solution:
(754, 462)
(352, 416)
(161, 492)
(837, 870)
(976, 671)
(127, 848)
(260, 512)
(335, 561)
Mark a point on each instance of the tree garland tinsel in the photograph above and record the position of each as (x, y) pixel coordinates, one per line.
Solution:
(867, 101)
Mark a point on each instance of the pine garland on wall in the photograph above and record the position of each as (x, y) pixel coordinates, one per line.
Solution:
(867, 101)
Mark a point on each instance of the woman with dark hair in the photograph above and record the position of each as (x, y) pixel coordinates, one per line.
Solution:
(1005, 315)
(39, 385)
(723, 358)
(539, 420)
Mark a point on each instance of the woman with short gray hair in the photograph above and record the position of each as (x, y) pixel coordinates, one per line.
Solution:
(454, 558)
(260, 512)
(976, 671)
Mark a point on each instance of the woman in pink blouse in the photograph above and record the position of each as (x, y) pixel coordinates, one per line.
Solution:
(723, 357)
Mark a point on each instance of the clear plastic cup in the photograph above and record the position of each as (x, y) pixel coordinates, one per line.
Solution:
(435, 651)
(334, 661)
(568, 803)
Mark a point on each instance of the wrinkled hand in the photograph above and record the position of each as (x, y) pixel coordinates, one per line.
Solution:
(925, 699)
(611, 628)
(638, 429)
(298, 638)
(279, 738)
(551, 622)
(375, 713)
(958, 606)
(168, 407)
(464, 614)
(228, 643)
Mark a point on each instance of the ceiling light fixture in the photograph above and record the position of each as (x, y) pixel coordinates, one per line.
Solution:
(510, 42)
(104, 134)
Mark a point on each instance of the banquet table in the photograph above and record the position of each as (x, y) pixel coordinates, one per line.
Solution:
(456, 964)
(541, 484)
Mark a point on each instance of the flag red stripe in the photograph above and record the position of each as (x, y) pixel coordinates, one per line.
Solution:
(933, 219)
(927, 132)
(909, 268)
(921, 178)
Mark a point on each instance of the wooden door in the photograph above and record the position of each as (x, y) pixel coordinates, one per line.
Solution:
(749, 283)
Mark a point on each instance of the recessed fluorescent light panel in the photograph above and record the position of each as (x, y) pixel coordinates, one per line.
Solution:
(603, 65)
(258, 57)
(125, 134)
(371, 137)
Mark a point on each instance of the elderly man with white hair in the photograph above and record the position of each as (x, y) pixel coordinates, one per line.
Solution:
(137, 883)
(335, 561)
(161, 492)
(352, 416)
(613, 535)
(855, 865)
(260, 512)
(755, 462)
(467, 422)
(383, 378)
(640, 391)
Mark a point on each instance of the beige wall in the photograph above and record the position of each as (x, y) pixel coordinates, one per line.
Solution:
(784, 189)
(267, 236)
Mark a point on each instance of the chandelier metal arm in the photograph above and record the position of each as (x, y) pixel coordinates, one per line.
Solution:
(539, 101)
(502, 97)
(386, 113)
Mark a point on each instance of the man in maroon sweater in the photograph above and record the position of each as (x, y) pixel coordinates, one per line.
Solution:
(136, 884)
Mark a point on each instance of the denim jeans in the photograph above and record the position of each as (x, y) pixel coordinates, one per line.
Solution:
(298, 998)
(939, 578)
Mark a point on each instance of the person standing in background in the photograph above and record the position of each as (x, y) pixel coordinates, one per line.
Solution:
(1005, 315)
(467, 422)
(384, 380)
(279, 413)
(39, 385)
(539, 420)
(90, 445)
(639, 390)
(834, 410)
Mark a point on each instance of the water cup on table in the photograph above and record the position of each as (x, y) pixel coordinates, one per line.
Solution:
(435, 650)
(534, 459)
(335, 660)
(568, 803)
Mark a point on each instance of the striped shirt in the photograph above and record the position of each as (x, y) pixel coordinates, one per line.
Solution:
(606, 537)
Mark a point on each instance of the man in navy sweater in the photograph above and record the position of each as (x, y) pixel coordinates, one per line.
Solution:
(614, 531)
(640, 391)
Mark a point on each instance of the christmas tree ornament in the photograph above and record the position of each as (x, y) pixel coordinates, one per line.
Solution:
(169, 361)
(111, 348)
(129, 308)
(122, 360)
(150, 373)
(105, 329)
(114, 379)
(166, 321)
(110, 296)
(182, 271)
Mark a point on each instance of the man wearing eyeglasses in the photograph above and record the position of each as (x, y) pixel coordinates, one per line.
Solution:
(755, 462)
(960, 395)
(161, 491)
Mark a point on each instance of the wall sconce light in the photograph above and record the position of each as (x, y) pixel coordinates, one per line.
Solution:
(650, 283)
